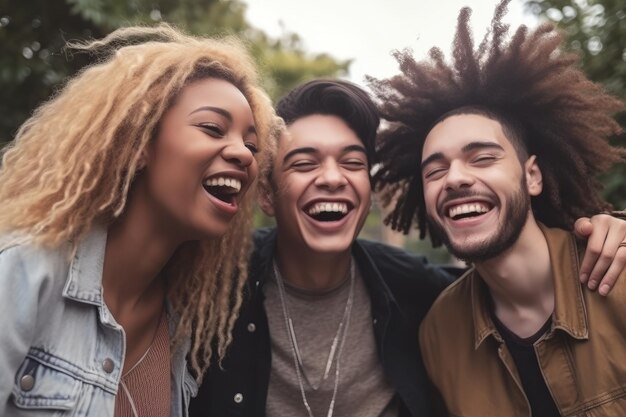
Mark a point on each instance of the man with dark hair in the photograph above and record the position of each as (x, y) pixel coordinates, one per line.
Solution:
(329, 322)
(328, 326)
(508, 141)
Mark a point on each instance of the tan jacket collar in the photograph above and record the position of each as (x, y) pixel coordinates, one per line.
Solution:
(570, 314)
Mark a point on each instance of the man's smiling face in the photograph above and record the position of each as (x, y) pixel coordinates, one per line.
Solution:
(475, 188)
(321, 185)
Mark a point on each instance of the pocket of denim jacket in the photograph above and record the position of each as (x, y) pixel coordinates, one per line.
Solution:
(39, 386)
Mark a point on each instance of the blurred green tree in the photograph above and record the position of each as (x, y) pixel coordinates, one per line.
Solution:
(596, 30)
(33, 33)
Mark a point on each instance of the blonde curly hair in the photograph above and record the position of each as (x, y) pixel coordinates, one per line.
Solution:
(72, 164)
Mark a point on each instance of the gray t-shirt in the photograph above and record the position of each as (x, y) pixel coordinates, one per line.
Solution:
(363, 389)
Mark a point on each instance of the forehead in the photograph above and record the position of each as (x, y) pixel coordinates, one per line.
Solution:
(451, 134)
(324, 133)
(213, 92)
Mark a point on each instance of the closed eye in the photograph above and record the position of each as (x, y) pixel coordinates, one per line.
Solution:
(211, 129)
(303, 165)
(354, 164)
(252, 147)
(484, 159)
(434, 173)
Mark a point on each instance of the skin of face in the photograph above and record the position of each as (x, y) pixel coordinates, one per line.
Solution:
(321, 169)
(207, 136)
(476, 191)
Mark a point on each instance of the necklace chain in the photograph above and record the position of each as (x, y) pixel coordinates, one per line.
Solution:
(336, 347)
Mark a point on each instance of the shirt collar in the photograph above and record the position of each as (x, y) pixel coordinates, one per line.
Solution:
(570, 314)
(84, 281)
(265, 248)
(379, 292)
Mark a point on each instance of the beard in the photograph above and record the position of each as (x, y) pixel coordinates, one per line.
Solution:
(509, 230)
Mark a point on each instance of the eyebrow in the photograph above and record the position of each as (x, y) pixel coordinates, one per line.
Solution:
(221, 111)
(309, 150)
(472, 146)
(296, 151)
(355, 148)
(217, 110)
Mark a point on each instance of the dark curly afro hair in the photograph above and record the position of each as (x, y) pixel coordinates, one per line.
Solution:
(528, 84)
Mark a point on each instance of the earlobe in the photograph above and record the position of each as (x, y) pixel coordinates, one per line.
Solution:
(266, 201)
(534, 178)
(142, 161)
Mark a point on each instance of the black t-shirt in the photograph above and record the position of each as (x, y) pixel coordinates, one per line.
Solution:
(523, 353)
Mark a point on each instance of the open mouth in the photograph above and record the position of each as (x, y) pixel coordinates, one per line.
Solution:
(468, 210)
(225, 189)
(328, 211)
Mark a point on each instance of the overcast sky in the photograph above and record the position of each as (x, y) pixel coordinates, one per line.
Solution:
(367, 30)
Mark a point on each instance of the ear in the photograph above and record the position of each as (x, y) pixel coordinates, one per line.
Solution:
(534, 178)
(143, 160)
(266, 201)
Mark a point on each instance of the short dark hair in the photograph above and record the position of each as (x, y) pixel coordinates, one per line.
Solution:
(339, 98)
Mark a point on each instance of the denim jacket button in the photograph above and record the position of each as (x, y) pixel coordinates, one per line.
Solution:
(238, 398)
(251, 327)
(108, 365)
(27, 382)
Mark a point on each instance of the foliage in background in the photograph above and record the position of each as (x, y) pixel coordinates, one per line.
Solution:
(596, 29)
(33, 33)
(32, 64)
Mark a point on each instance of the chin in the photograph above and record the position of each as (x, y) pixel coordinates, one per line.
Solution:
(332, 245)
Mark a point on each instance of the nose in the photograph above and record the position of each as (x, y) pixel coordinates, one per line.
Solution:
(237, 152)
(458, 176)
(331, 176)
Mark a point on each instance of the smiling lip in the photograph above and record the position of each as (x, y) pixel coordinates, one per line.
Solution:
(464, 205)
(228, 185)
(484, 208)
(328, 205)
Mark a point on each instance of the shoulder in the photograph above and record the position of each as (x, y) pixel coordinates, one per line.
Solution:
(263, 236)
(26, 266)
(451, 309)
(20, 253)
(397, 264)
(458, 293)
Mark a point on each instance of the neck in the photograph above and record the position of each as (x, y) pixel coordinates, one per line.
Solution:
(137, 250)
(312, 270)
(520, 282)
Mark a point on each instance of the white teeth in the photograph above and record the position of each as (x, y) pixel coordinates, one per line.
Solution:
(223, 182)
(467, 208)
(328, 207)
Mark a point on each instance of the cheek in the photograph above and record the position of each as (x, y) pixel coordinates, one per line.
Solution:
(291, 187)
(362, 185)
(430, 197)
(253, 170)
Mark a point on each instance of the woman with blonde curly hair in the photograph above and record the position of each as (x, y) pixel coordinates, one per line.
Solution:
(125, 224)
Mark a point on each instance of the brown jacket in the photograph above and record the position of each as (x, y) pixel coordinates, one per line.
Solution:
(582, 357)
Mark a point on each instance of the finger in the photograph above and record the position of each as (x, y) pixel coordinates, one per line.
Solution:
(612, 274)
(583, 227)
(607, 256)
(594, 248)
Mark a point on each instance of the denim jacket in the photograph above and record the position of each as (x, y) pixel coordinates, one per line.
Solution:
(61, 351)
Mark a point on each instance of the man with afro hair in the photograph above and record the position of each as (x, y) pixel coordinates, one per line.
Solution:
(495, 155)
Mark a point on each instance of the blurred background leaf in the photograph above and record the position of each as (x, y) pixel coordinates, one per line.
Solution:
(596, 30)
(33, 65)
(33, 33)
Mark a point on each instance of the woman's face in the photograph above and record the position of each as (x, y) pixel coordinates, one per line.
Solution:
(202, 160)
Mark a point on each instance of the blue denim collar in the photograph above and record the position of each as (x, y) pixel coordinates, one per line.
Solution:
(84, 281)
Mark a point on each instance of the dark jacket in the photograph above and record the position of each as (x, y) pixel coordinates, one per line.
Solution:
(402, 287)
